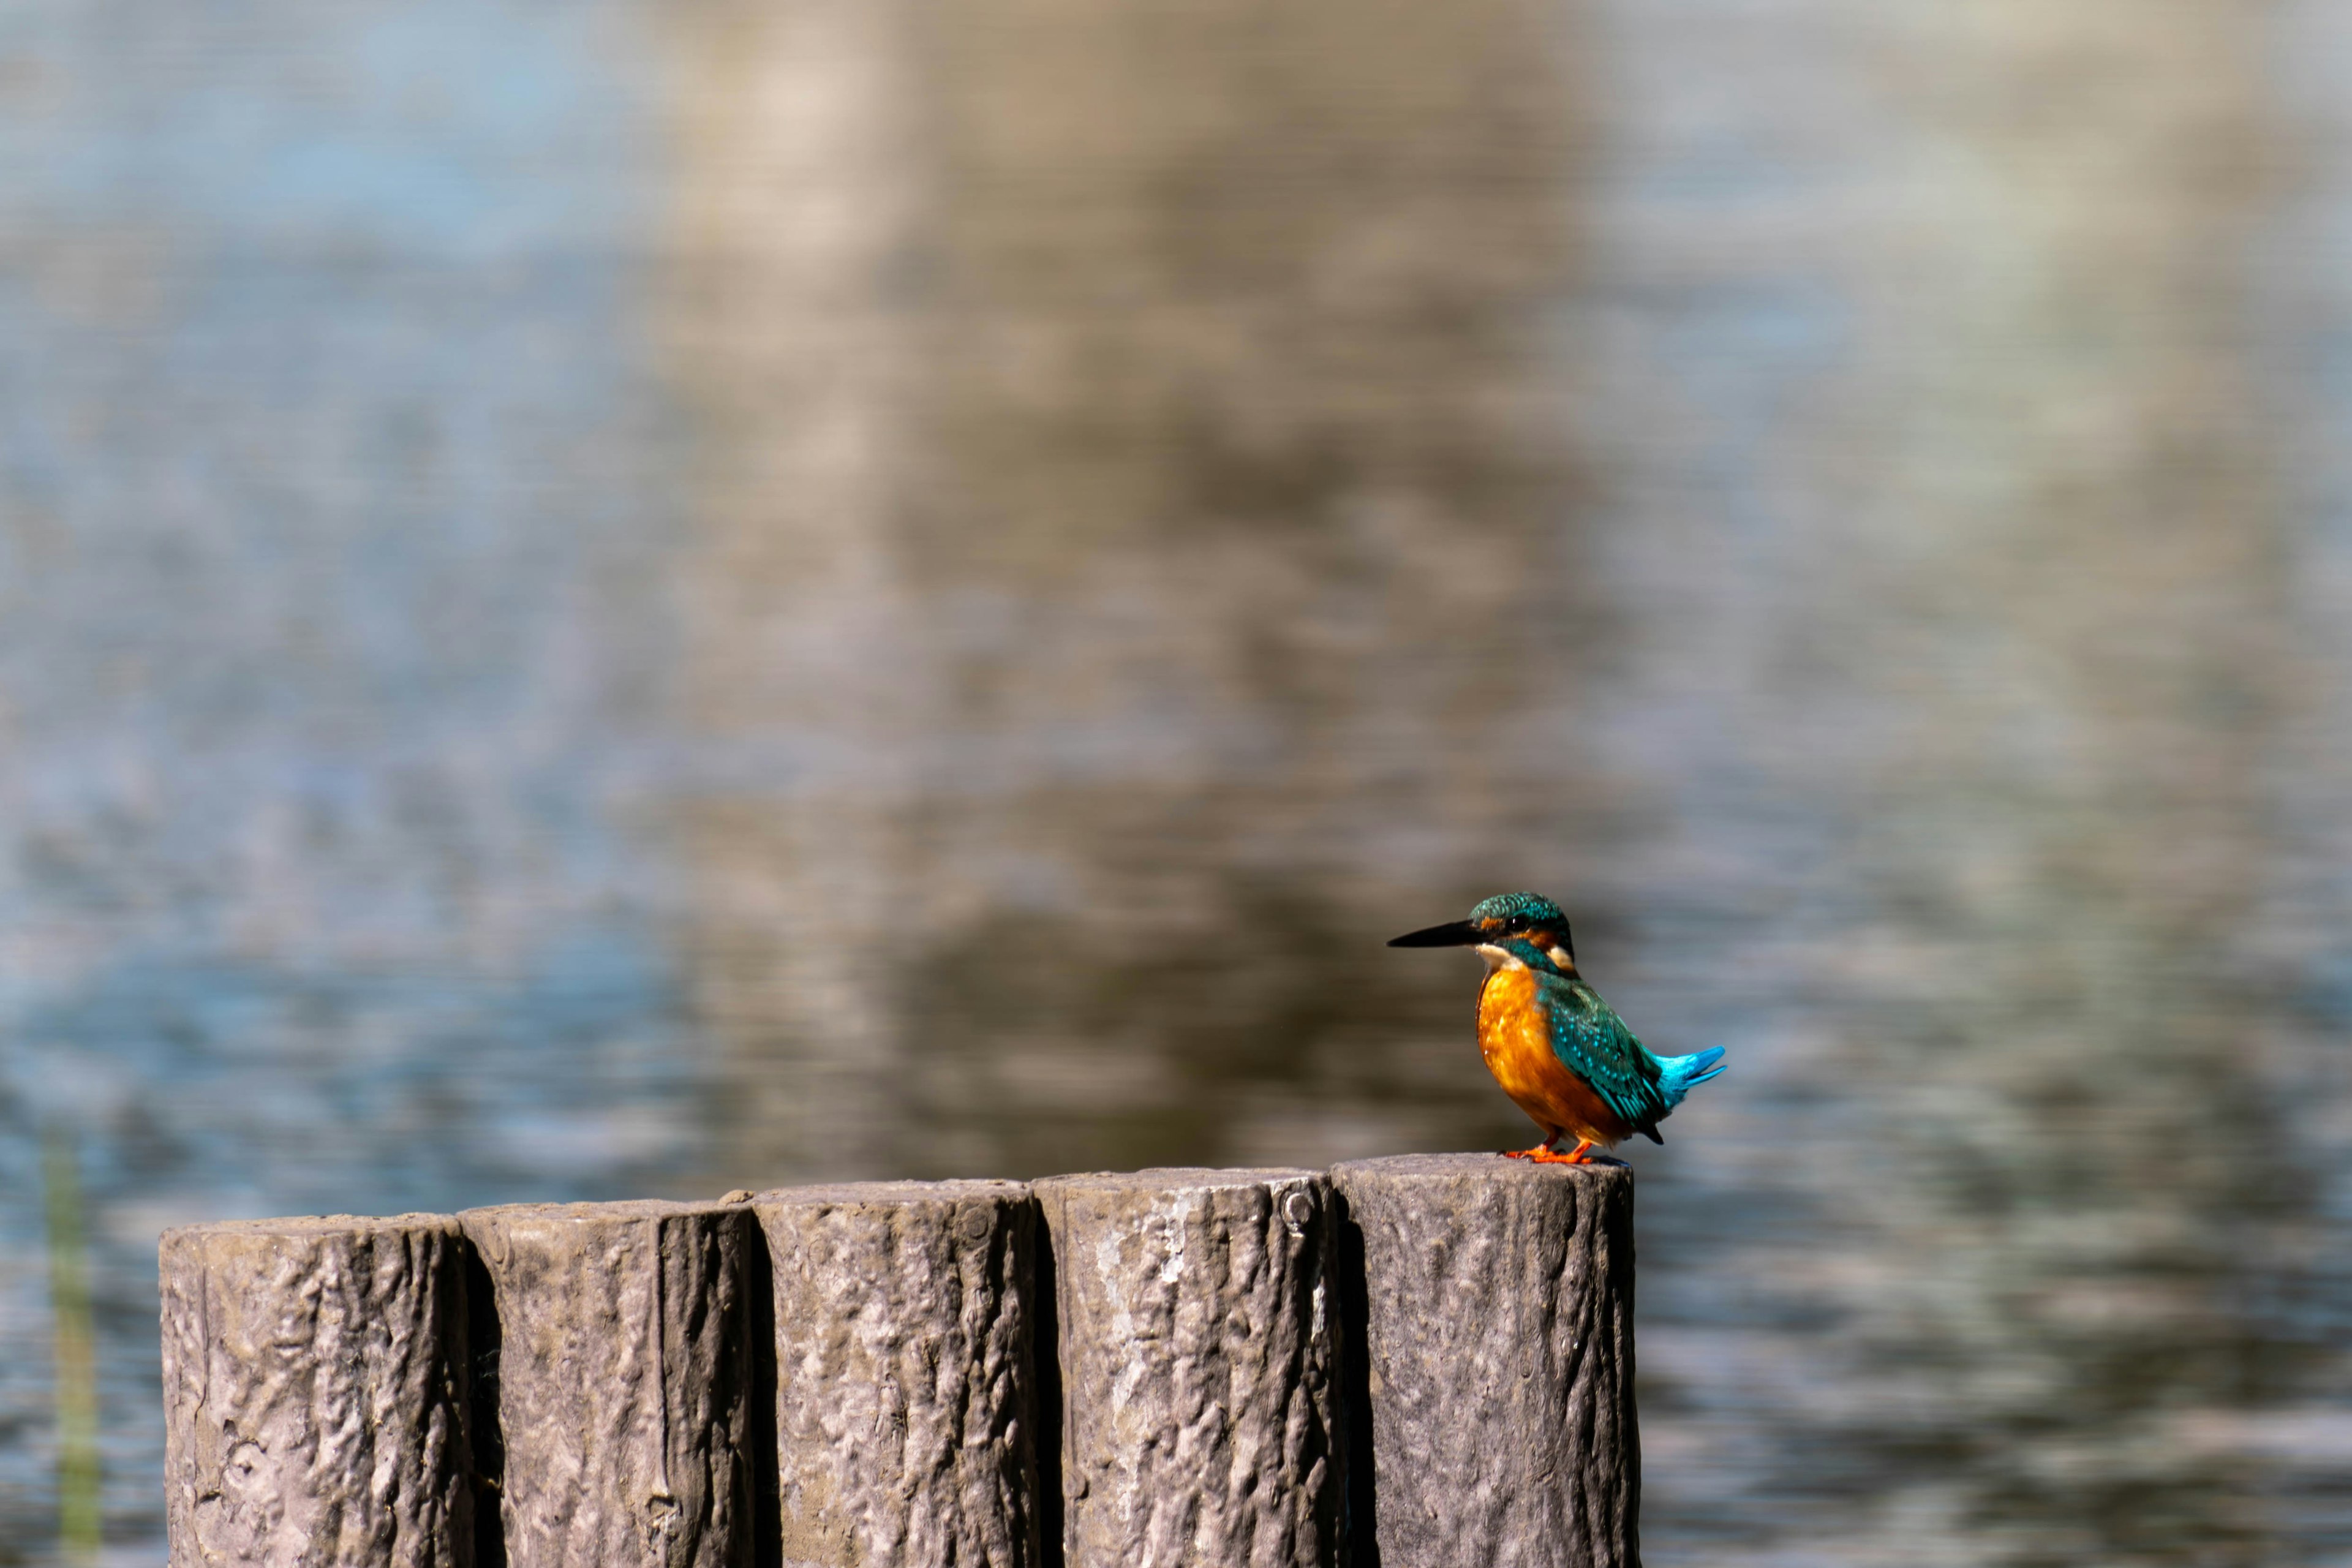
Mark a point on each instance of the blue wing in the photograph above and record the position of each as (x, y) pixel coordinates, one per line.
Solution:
(1592, 1042)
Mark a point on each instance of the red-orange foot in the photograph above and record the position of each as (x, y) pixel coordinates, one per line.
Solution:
(1542, 1154)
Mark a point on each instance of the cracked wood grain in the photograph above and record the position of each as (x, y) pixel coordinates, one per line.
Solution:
(316, 1402)
(623, 1388)
(1497, 1323)
(906, 1399)
(1196, 1358)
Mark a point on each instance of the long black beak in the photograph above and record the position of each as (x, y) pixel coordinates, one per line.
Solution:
(1460, 933)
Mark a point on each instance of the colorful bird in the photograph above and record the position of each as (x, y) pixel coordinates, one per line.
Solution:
(1559, 1050)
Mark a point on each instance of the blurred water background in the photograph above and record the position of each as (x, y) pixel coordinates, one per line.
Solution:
(607, 598)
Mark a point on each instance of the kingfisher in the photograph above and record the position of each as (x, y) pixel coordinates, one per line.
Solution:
(1560, 1052)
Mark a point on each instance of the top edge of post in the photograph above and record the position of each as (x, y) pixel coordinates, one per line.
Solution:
(1451, 1167)
(582, 1213)
(1212, 1178)
(292, 1227)
(958, 1190)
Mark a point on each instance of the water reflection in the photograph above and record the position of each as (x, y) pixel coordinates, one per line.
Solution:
(661, 599)
(1978, 431)
(1140, 489)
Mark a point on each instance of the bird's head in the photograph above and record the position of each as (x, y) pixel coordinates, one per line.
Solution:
(1501, 923)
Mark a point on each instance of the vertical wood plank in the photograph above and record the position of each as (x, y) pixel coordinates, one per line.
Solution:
(1200, 1422)
(624, 1376)
(316, 1394)
(1496, 1315)
(906, 1399)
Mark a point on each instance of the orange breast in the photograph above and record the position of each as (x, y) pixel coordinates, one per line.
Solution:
(1517, 1043)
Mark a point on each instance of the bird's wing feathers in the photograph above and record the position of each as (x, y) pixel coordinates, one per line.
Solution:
(1594, 1044)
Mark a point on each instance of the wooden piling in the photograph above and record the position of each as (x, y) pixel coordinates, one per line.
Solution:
(316, 1399)
(1199, 1423)
(625, 1393)
(906, 1398)
(1497, 1314)
(1422, 1362)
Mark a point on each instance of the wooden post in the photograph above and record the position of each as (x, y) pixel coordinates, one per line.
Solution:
(906, 1400)
(1163, 1373)
(1199, 1419)
(625, 1383)
(315, 1394)
(1497, 1324)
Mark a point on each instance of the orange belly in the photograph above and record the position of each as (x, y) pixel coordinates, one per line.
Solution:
(1517, 1043)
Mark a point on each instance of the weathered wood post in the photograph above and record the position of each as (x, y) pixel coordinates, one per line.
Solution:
(898, 1372)
(315, 1394)
(1200, 1422)
(1497, 1316)
(906, 1399)
(624, 1383)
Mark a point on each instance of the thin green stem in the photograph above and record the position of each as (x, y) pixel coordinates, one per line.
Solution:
(79, 1518)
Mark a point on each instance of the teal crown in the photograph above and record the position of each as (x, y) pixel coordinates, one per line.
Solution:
(1518, 909)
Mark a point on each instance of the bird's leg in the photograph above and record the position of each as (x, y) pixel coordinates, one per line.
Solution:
(1541, 1153)
(1575, 1156)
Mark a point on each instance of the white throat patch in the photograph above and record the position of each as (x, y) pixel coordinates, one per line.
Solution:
(1498, 958)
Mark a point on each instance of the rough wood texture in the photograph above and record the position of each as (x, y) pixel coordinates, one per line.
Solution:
(624, 1382)
(315, 1400)
(1497, 1334)
(906, 1408)
(1197, 1368)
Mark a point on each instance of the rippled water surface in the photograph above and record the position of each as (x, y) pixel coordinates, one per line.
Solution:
(606, 599)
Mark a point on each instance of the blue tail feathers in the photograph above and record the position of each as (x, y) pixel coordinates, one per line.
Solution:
(1676, 1074)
